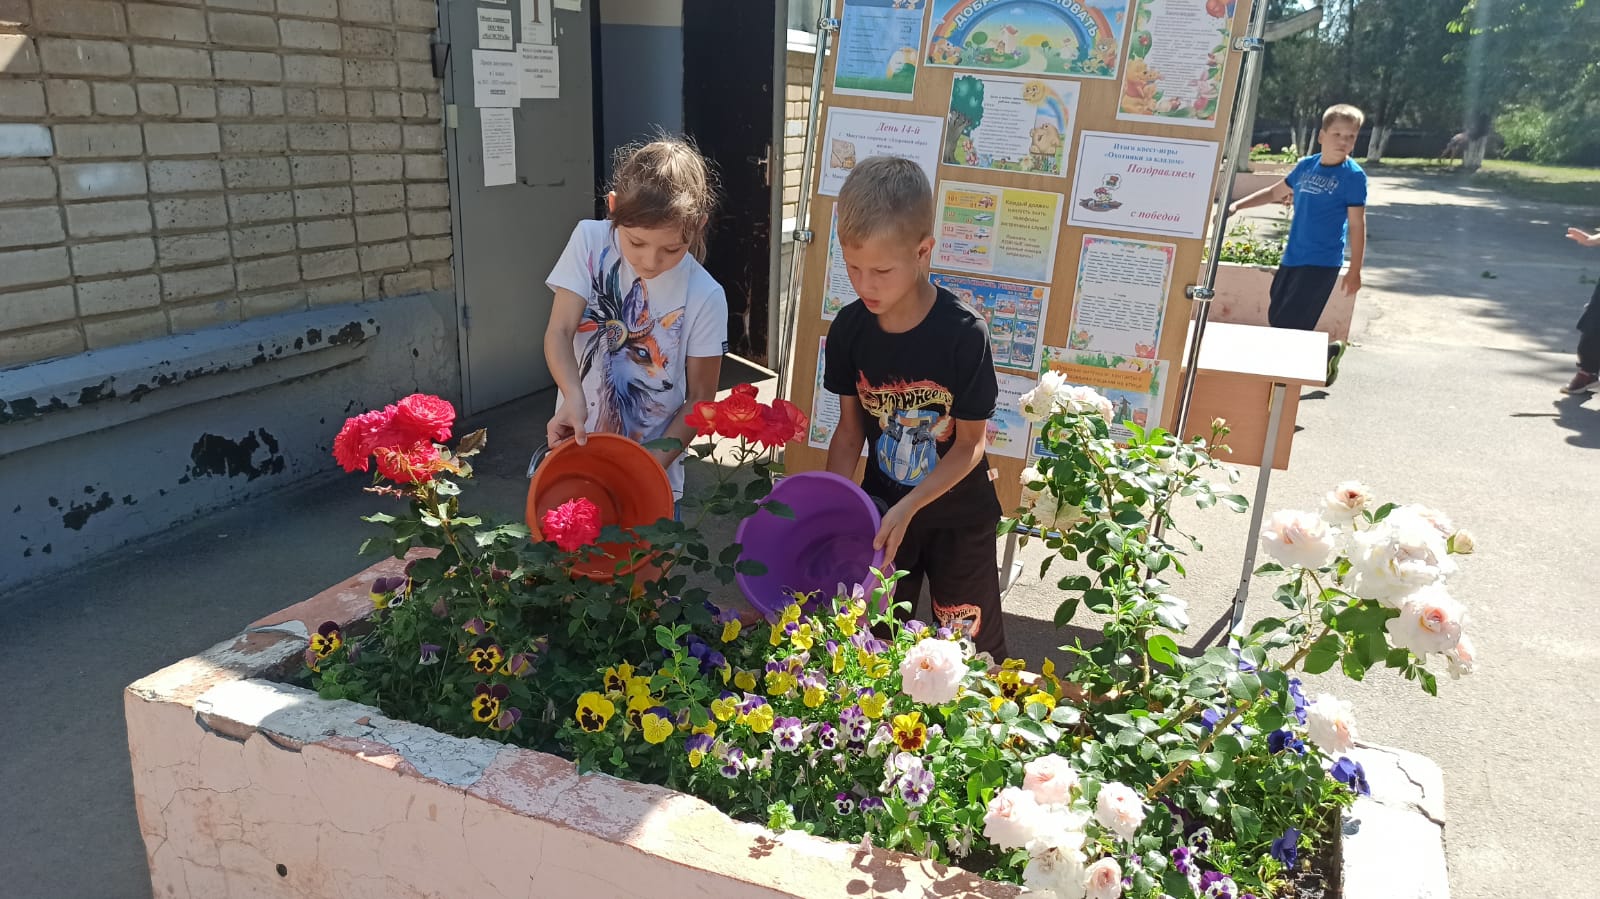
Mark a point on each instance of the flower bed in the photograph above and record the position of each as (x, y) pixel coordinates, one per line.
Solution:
(1211, 776)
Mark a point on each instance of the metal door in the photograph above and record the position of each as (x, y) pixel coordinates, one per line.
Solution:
(507, 238)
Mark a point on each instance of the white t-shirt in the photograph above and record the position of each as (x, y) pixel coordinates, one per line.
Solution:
(636, 336)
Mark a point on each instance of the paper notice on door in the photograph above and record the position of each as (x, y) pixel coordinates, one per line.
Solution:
(541, 71)
(536, 22)
(495, 79)
(494, 29)
(573, 5)
(499, 147)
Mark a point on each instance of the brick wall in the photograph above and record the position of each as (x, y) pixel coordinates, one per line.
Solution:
(797, 96)
(167, 166)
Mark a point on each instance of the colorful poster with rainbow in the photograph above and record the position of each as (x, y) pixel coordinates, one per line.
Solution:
(1082, 38)
(1010, 124)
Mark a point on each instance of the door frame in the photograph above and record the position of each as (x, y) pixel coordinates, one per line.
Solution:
(776, 290)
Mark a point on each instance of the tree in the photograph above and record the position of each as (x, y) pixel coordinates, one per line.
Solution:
(1403, 52)
(966, 111)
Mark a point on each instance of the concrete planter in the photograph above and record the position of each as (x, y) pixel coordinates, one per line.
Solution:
(1242, 299)
(1261, 174)
(247, 787)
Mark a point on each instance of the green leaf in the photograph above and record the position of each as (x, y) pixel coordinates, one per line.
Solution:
(1269, 568)
(1065, 715)
(1065, 611)
(778, 509)
(1246, 823)
(378, 518)
(1354, 668)
(1430, 684)
(1235, 502)
(730, 555)
(1128, 736)
(665, 445)
(1324, 654)
(750, 568)
(1162, 648)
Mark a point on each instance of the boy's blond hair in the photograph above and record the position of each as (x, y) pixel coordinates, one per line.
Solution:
(1343, 112)
(885, 195)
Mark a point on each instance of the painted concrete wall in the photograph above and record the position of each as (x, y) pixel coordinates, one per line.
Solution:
(641, 47)
(106, 447)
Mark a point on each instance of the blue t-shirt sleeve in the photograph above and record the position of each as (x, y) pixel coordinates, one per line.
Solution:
(1356, 189)
(1293, 178)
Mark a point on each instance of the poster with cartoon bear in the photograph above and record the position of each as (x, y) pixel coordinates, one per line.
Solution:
(1176, 58)
(1080, 38)
(1009, 124)
(877, 52)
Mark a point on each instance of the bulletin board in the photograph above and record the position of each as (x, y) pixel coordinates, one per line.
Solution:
(1073, 147)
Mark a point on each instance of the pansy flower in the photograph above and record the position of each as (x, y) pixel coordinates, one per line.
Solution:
(387, 592)
(327, 640)
(779, 682)
(916, 786)
(788, 734)
(428, 654)
(486, 656)
(725, 706)
(698, 746)
(486, 701)
(872, 703)
(814, 689)
(617, 678)
(519, 665)
(745, 680)
(729, 619)
(656, 724)
(1215, 885)
(803, 635)
(872, 804)
(477, 627)
(1010, 678)
(914, 628)
(844, 804)
(1350, 773)
(1200, 840)
(756, 715)
(507, 720)
(594, 712)
(839, 659)
(732, 762)
(855, 724)
(910, 734)
(1282, 739)
(1037, 698)
(1183, 861)
(1286, 849)
(790, 614)
(827, 737)
(638, 704)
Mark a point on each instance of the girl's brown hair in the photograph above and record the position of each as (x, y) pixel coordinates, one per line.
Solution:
(665, 183)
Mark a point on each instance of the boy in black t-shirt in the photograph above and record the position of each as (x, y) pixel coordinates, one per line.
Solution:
(916, 383)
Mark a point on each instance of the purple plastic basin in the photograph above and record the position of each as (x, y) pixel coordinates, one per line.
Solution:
(828, 542)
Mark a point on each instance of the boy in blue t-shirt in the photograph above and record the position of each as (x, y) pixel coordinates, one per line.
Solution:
(1329, 191)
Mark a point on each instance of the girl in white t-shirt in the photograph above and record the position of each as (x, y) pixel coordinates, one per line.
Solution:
(639, 327)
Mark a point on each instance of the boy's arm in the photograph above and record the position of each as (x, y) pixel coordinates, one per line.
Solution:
(704, 373)
(1358, 248)
(565, 317)
(844, 450)
(956, 464)
(1277, 193)
(1583, 238)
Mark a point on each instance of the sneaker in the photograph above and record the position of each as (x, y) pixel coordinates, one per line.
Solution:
(1582, 382)
(1335, 353)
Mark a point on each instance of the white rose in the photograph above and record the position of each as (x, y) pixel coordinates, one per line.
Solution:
(1032, 479)
(1054, 515)
(1331, 724)
(1038, 404)
(1461, 658)
(1084, 401)
(1050, 779)
(1344, 502)
(1119, 810)
(932, 671)
(1397, 558)
(1103, 879)
(1054, 870)
(1013, 819)
(1430, 621)
(1433, 518)
(1298, 539)
(1462, 544)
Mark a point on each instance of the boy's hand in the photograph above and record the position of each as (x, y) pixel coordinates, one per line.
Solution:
(567, 424)
(1584, 238)
(663, 457)
(893, 531)
(1352, 281)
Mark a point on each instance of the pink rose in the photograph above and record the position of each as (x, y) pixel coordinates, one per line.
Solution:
(932, 671)
(1012, 818)
(1119, 810)
(1430, 621)
(1103, 880)
(1050, 779)
(1461, 658)
(1331, 724)
(1298, 539)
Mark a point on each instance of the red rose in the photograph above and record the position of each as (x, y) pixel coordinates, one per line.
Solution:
(572, 525)
(797, 419)
(422, 416)
(781, 422)
(748, 390)
(703, 419)
(364, 433)
(415, 465)
(740, 416)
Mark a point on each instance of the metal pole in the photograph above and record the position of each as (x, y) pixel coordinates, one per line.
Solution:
(1269, 454)
(1238, 144)
(802, 228)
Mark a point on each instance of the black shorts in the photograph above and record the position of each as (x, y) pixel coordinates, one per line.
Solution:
(958, 564)
(1299, 294)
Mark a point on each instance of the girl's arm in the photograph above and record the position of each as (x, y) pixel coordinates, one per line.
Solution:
(1277, 193)
(1584, 239)
(568, 422)
(1358, 248)
(704, 373)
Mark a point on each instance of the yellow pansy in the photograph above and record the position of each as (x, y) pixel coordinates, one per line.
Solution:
(730, 631)
(709, 728)
(656, 728)
(637, 705)
(872, 704)
(910, 734)
(780, 683)
(791, 613)
(814, 696)
(775, 634)
(594, 710)
(803, 637)
(839, 661)
(1044, 699)
(725, 708)
(760, 719)
(617, 678)
(745, 680)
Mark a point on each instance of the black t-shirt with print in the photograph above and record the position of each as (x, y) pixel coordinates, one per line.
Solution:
(912, 387)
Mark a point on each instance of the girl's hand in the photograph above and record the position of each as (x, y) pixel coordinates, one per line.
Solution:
(1583, 238)
(567, 424)
(663, 457)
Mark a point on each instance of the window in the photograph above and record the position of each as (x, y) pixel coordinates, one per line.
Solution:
(803, 15)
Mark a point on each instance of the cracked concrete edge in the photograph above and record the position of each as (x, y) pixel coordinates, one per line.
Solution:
(1393, 840)
(223, 691)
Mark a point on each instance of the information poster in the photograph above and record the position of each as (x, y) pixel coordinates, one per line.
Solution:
(1010, 124)
(1121, 295)
(857, 134)
(1145, 184)
(1135, 387)
(499, 147)
(1000, 231)
(494, 29)
(495, 79)
(540, 76)
(537, 22)
(1175, 62)
(1008, 433)
(877, 53)
(1015, 314)
(837, 292)
(824, 406)
(1080, 38)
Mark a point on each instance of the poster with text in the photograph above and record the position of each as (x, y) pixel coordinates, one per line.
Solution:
(1014, 313)
(1081, 38)
(496, 79)
(1121, 295)
(857, 134)
(1135, 387)
(1008, 433)
(1010, 124)
(494, 29)
(824, 405)
(1000, 231)
(538, 24)
(837, 291)
(1147, 184)
(1176, 57)
(877, 52)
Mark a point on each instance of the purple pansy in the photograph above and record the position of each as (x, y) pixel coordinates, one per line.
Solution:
(1286, 848)
(1350, 773)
